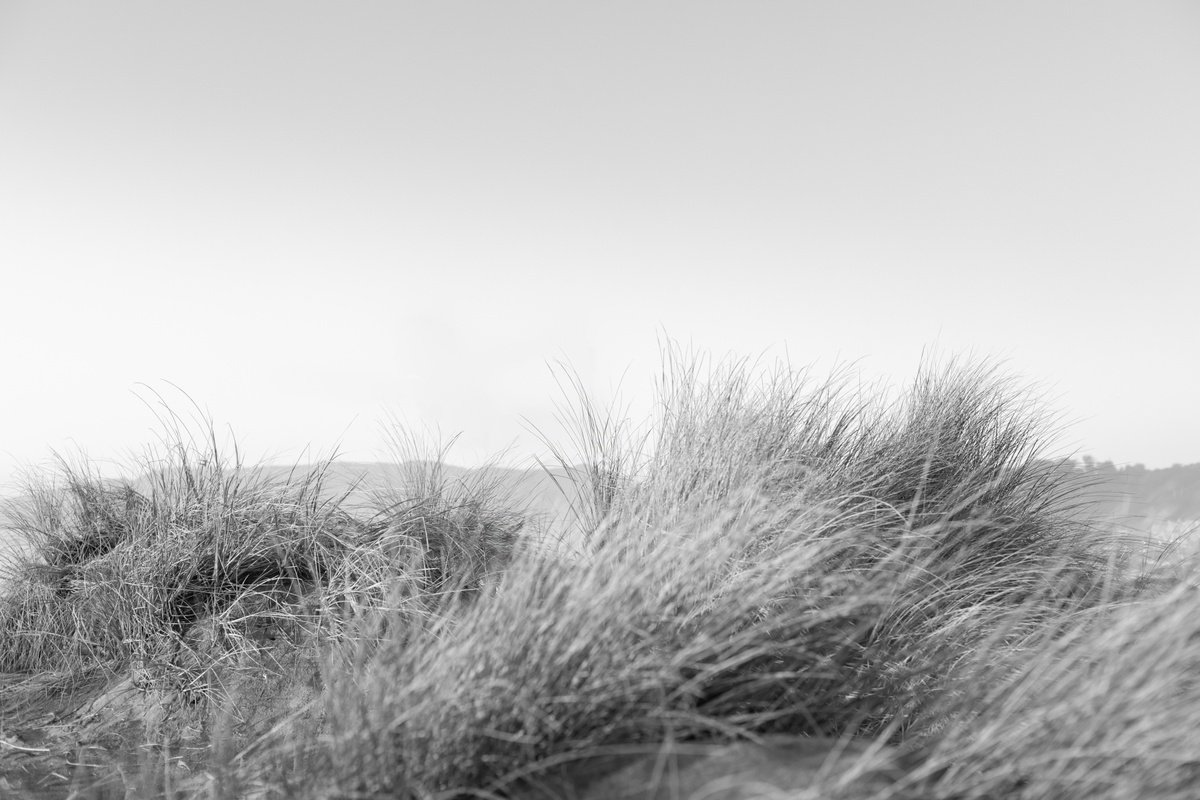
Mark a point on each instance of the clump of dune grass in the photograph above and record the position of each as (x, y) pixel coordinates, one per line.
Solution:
(117, 572)
(775, 556)
(688, 639)
(214, 586)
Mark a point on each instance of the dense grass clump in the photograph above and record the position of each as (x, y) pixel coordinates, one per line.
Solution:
(120, 573)
(769, 557)
(183, 582)
(774, 558)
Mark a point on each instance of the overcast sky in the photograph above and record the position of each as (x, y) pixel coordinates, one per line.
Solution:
(313, 216)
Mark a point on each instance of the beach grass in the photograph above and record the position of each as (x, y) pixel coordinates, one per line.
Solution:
(768, 555)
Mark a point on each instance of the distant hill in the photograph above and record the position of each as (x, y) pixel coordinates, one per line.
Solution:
(362, 483)
(1142, 497)
(1131, 494)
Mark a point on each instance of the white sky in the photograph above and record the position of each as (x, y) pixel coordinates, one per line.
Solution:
(311, 216)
